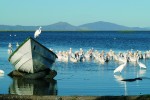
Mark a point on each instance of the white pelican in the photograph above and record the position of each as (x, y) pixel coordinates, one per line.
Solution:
(70, 51)
(1, 72)
(37, 32)
(73, 59)
(87, 56)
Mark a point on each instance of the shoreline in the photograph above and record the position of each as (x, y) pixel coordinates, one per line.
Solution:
(123, 31)
(47, 97)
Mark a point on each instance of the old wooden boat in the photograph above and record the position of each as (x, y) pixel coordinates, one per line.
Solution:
(32, 57)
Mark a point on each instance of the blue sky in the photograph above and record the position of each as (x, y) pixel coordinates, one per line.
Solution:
(76, 12)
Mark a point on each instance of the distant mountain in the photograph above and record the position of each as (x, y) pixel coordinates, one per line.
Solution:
(17, 28)
(63, 26)
(106, 26)
(60, 26)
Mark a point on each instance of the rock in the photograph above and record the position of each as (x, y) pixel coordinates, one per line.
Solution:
(16, 73)
(38, 75)
(47, 73)
(51, 74)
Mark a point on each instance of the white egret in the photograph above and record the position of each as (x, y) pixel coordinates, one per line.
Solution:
(10, 51)
(141, 64)
(37, 32)
(120, 68)
(10, 48)
(10, 45)
(17, 45)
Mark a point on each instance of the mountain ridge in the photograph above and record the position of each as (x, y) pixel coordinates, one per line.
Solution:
(64, 26)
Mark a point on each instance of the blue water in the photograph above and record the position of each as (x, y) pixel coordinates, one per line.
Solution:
(82, 78)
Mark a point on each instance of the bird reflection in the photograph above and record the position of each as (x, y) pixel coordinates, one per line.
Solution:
(1, 75)
(23, 86)
(141, 72)
(119, 79)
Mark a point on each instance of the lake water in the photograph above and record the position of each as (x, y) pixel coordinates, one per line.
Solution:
(82, 78)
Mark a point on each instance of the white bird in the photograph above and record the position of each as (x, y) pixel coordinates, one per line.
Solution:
(37, 32)
(141, 64)
(120, 68)
(17, 45)
(1, 72)
(10, 50)
(9, 45)
(119, 78)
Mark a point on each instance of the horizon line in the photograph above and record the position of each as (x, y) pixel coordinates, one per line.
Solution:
(74, 25)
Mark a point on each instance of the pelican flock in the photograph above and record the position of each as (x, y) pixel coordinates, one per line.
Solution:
(104, 57)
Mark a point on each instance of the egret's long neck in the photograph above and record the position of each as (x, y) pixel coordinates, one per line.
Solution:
(40, 29)
(137, 59)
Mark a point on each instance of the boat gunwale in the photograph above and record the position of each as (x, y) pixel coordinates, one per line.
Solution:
(25, 42)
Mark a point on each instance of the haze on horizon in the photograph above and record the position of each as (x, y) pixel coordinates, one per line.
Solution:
(132, 13)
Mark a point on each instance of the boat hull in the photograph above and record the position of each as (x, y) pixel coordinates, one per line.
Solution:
(32, 57)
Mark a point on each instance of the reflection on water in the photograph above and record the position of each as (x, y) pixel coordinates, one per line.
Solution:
(119, 78)
(22, 86)
(141, 72)
(1, 75)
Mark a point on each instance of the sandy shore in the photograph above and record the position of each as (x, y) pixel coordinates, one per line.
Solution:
(27, 97)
